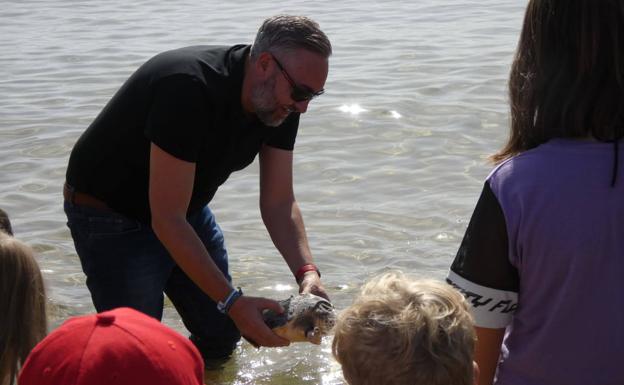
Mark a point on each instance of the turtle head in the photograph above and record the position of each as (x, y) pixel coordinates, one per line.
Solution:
(326, 314)
(307, 317)
(324, 318)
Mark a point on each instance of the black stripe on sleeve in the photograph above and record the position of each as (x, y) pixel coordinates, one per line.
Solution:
(483, 257)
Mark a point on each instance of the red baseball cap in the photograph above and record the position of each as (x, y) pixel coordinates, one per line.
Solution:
(117, 347)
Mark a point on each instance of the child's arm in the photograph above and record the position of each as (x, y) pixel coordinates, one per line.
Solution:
(486, 353)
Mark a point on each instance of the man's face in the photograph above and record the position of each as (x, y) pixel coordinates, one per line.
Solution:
(265, 103)
(291, 82)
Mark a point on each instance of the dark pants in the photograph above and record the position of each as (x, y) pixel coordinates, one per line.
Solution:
(126, 265)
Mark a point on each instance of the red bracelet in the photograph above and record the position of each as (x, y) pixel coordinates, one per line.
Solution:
(304, 269)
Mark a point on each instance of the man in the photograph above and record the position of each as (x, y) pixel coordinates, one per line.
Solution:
(141, 176)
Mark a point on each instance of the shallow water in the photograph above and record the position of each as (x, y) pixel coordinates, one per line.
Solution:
(389, 162)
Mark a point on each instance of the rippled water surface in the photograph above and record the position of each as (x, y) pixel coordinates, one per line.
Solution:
(388, 164)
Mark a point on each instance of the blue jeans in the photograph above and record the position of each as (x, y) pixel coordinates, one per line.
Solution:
(126, 265)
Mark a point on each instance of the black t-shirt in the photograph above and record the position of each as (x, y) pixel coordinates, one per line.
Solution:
(187, 102)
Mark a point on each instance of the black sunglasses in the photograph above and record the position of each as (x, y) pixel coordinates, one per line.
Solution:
(298, 93)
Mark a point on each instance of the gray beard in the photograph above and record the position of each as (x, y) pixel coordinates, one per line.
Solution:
(264, 103)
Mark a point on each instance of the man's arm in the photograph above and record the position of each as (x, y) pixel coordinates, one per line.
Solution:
(170, 188)
(282, 217)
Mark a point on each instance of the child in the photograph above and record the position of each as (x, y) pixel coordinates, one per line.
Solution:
(406, 332)
(22, 302)
(121, 347)
(543, 256)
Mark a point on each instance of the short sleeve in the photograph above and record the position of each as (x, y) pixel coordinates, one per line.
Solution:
(482, 270)
(284, 136)
(179, 116)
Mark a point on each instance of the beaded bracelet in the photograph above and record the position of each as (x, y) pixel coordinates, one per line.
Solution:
(304, 269)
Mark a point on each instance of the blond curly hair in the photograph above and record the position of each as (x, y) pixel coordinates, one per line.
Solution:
(401, 331)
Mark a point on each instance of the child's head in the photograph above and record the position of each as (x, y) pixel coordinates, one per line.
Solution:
(22, 303)
(120, 346)
(5, 223)
(402, 331)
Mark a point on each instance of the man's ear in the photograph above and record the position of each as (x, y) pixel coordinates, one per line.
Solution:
(476, 372)
(263, 63)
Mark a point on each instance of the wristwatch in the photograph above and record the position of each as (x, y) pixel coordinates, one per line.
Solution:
(224, 307)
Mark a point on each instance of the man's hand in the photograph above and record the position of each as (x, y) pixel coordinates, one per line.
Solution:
(311, 283)
(246, 313)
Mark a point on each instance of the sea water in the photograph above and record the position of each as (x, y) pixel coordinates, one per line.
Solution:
(389, 162)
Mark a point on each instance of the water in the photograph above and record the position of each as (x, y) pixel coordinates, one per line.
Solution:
(389, 162)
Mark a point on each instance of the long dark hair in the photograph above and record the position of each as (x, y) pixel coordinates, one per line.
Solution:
(567, 78)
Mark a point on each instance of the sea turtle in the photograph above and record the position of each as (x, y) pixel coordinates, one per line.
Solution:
(306, 317)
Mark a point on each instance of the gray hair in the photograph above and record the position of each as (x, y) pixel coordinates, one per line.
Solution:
(285, 32)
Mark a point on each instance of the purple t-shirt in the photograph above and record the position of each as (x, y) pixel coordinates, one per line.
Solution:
(543, 255)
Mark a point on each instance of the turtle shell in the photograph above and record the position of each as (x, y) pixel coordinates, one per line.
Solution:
(306, 317)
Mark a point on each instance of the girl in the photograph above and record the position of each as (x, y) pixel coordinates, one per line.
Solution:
(542, 259)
